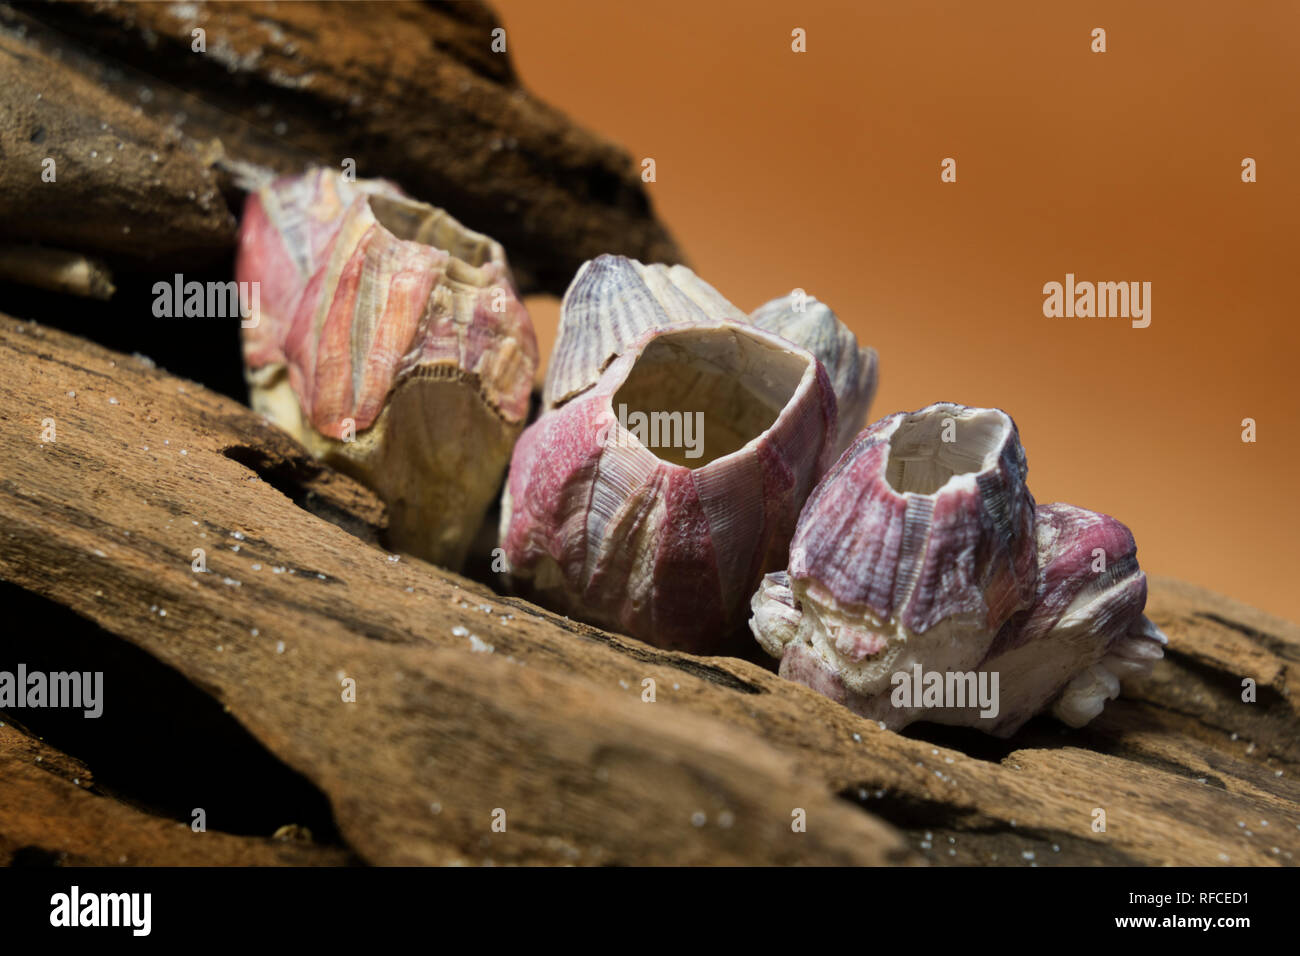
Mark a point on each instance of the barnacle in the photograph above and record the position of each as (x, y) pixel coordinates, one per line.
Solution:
(852, 368)
(663, 539)
(391, 342)
(923, 553)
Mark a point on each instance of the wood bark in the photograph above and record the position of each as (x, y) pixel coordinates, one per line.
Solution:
(473, 709)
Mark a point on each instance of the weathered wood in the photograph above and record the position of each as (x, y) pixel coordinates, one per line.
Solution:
(81, 169)
(469, 702)
(584, 773)
(51, 815)
(411, 92)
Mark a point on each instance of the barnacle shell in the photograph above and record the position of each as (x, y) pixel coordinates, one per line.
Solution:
(612, 302)
(852, 369)
(916, 555)
(913, 548)
(650, 542)
(1085, 630)
(386, 318)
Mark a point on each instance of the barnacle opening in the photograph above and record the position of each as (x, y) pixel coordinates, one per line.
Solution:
(428, 225)
(933, 445)
(696, 395)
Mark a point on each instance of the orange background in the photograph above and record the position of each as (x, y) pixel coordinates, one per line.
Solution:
(821, 170)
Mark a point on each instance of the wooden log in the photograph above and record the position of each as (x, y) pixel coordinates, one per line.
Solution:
(472, 707)
(407, 91)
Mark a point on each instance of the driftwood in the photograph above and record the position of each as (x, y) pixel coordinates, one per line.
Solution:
(473, 709)
(153, 139)
(84, 170)
(51, 814)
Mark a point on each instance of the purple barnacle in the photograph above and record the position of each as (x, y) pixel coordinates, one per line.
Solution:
(924, 584)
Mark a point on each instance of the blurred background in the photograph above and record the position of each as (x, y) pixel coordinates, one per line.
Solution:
(821, 170)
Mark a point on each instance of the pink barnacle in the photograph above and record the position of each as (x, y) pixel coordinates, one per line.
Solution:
(666, 474)
(390, 341)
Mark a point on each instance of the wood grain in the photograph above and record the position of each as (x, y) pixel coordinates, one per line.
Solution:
(411, 92)
(469, 703)
(51, 814)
